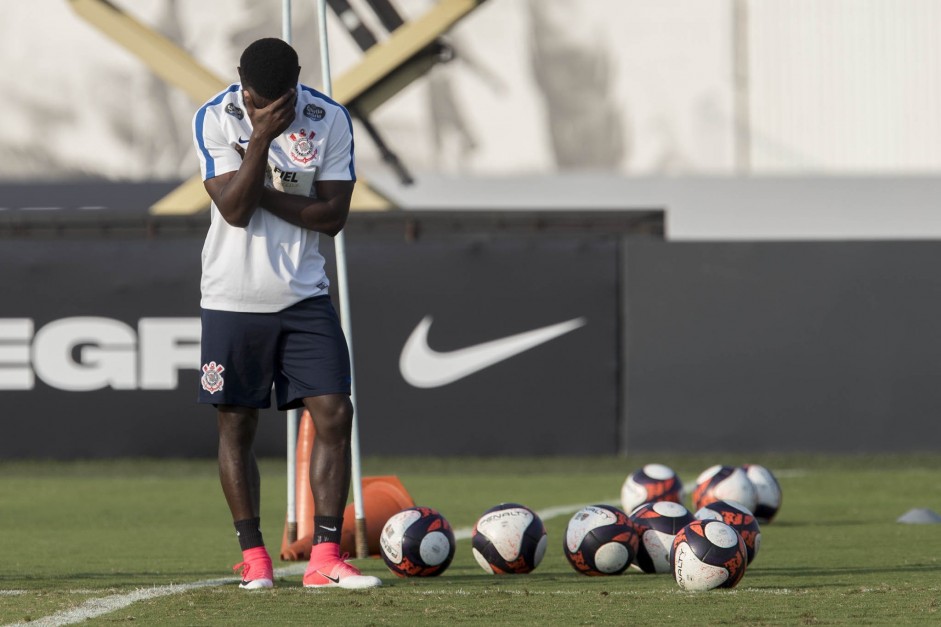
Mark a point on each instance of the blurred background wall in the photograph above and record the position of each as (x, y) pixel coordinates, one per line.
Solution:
(633, 87)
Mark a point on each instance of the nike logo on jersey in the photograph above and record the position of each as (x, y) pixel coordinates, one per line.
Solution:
(423, 367)
(328, 528)
(242, 141)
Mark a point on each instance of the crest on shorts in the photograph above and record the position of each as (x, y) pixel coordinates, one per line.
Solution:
(303, 150)
(212, 380)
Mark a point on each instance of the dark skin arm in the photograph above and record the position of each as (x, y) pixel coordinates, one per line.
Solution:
(325, 214)
(238, 194)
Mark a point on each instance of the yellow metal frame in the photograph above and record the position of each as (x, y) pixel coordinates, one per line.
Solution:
(384, 69)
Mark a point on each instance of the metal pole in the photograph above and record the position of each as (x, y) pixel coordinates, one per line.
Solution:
(286, 20)
(741, 89)
(293, 415)
(362, 548)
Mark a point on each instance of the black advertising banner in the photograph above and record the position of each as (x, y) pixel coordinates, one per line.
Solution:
(783, 347)
(508, 334)
(478, 333)
(99, 348)
(498, 345)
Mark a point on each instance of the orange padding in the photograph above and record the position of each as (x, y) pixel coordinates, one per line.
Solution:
(383, 497)
(303, 498)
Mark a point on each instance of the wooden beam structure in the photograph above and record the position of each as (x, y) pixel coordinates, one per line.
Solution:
(384, 70)
(164, 58)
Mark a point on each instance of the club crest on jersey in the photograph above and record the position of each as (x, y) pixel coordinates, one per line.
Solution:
(303, 150)
(212, 380)
(234, 111)
(314, 112)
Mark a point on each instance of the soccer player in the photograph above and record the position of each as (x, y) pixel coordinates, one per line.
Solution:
(277, 160)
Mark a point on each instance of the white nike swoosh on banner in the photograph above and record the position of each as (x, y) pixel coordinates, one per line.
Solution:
(423, 367)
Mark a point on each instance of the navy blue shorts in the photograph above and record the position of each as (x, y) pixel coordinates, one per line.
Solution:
(301, 350)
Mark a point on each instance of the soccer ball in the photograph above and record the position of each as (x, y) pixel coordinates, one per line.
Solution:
(509, 539)
(600, 540)
(729, 483)
(768, 490)
(417, 542)
(707, 554)
(653, 482)
(737, 517)
(657, 524)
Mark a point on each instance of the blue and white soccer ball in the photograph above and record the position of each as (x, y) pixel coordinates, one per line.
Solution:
(509, 539)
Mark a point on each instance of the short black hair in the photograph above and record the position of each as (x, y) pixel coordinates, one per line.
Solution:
(269, 66)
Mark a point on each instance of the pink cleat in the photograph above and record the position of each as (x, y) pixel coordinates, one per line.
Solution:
(337, 573)
(256, 569)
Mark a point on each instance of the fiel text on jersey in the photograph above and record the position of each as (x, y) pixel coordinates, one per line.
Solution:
(287, 177)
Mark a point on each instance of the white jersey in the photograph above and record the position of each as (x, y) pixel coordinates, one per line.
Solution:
(270, 264)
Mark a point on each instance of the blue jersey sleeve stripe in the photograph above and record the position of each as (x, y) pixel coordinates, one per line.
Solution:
(349, 121)
(200, 118)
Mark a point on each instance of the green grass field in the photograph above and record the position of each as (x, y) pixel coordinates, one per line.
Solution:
(79, 536)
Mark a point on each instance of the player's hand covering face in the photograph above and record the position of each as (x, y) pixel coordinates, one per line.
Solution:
(270, 119)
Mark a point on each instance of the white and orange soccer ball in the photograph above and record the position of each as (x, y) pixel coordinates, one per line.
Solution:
(768, 491)
(653, 482)
(417, 542)
(600, 540)
(707, 554)
(657, 524)
(724, 483)
(737, 517)
(509, 539)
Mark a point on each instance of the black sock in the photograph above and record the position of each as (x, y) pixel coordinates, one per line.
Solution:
(327, 529)
(249, 533)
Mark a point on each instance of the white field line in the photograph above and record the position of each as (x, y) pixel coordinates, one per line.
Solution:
(92, 608)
